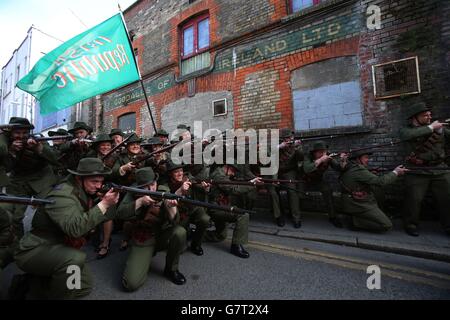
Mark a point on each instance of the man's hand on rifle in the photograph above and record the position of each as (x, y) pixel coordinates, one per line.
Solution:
(323, 159)
(436, 125)
(184, 188)
(257, 181)
(127, 168)
(144, 201)
(35, 145)
(17, 145)
(110, 199)
(206, 186)
(400, 170)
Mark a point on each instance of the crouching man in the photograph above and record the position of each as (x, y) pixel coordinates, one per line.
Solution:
(153, 228)
(50, 253)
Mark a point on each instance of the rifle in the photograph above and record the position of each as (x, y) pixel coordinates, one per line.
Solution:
(66, 137)
(392, 143)
(297, 136)
(110, 152)
(248, 183)
(182, 199)
(151, 154)
(21, 200)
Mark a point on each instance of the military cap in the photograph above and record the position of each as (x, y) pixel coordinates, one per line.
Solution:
(319, 145)
(152, 142)
(22, 123)
(90, 167)
(59, 132)
(357, 154)
(79, 125)
(417, 108)
(103, 137)
(162, 133)
(134, 139)
(286, 133)
(145, 176)
(116, 132)
(183, 127)
(172, 166)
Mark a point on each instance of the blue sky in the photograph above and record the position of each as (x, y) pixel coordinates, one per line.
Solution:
(61, 19)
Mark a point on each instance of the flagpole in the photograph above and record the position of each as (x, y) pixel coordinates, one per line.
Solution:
(139, 72)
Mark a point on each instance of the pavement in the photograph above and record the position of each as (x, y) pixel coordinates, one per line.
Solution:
(432, 243)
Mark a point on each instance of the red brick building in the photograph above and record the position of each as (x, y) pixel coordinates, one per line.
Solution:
(321, 67)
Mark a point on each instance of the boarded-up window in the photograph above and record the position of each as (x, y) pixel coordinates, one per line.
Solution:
(327, 94)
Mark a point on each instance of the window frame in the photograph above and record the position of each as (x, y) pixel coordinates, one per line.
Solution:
(291, 5)
(195, 22)
(226, 107)
(125, 130)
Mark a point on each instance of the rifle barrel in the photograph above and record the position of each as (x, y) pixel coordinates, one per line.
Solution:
(22, 200)
(182, 199)
(148, 156)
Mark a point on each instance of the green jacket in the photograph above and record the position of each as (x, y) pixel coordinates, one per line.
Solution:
(69, 217)
(310, 172)
(144, 230)
(34, 169)
(4, 160)
(424, 144)
(220, 191)
(359, 180)
(290, 157)
(7, 234)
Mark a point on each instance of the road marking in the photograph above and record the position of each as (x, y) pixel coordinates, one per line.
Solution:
(415, 275)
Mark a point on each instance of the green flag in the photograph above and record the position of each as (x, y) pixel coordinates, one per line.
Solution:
(91, 63)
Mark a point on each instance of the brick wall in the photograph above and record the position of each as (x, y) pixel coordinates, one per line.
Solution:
(258, 49)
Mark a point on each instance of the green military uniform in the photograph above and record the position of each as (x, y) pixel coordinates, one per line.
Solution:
(312, 177)
(159, 163)
(126, 157)
(60, 168)
(151, 231)
(8, 238)
(190, 214)
(290, 158)
(72, 153)
(57, 234)
(358, 199)
(425, 147)
(220, 194)
(31, 171)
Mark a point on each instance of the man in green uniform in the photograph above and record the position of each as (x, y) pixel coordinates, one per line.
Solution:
(178, 182)
(125, 170)
(291, 155)
(60, 169)
(425, 143)
(220, 194)
(8, 238)
(163, 135)
(314, 166)
(51, 251)
(117, 136)
(358, 199)
(76, 149)
(30, 164)
(153, 228)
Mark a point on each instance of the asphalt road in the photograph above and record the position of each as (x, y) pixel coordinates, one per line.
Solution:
(278, 268)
